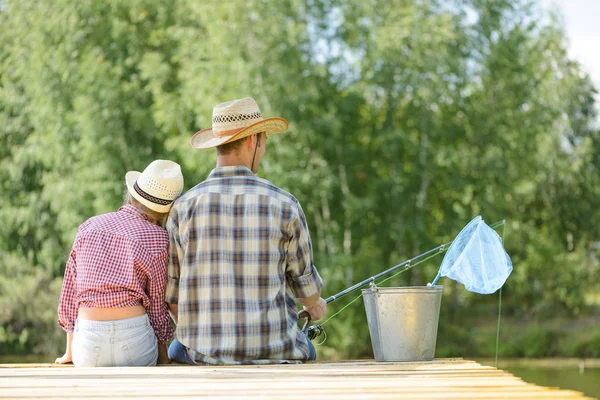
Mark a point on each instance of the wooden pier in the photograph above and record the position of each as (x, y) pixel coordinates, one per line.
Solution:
(346, 380)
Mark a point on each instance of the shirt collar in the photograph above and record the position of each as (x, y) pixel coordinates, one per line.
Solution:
(129, 209)
(234, 170)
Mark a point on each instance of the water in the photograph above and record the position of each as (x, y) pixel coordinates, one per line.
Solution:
(562, 373)
(587, 381)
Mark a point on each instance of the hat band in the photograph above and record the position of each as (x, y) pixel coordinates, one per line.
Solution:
(219, 131)
(149, 197)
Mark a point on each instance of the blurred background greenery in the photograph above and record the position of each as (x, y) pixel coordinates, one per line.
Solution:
(407, 119)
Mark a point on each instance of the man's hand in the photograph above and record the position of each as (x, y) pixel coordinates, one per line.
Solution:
(317, 310)
(67, 358)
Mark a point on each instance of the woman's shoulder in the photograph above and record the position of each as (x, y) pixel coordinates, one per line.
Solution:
(152, 237)
(96, 222)
(135, 230)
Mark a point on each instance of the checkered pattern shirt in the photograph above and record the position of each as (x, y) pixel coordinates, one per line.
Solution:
(240, 252)
(118, 259)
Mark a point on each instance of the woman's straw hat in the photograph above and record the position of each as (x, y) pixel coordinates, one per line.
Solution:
(235, 120)
(158, 186)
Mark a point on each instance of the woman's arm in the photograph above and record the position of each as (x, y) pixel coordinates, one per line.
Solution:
(67, 309)
(157, 310)
(68, 357)
(163, 357)
(174, 310)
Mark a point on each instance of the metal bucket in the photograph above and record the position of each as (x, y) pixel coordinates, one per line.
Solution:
(403, 321)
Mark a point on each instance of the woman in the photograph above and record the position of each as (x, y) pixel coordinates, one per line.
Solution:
(112, 301)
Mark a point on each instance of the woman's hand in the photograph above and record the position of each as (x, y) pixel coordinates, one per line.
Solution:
(163, 357)
(67, 358)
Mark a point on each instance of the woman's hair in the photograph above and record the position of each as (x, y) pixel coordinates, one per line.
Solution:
(152, 216)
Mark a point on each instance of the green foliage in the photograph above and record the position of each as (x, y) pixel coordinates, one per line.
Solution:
(589, 347)
(28, 301)
(520, 337)
(407, 119)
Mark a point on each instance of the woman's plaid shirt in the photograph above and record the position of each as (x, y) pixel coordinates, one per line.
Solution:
(240, 252)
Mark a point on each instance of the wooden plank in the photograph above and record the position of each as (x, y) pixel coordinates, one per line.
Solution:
(362, 396)
(251, 374)
(323, 365)
(287, 384)
(497, 394)
(452, 378)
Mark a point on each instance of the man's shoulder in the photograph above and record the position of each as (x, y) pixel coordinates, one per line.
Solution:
(278, 192)
(236, 185)
(189, 195)
(183, 201)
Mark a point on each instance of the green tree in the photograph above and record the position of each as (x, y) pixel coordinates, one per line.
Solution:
(407, 119)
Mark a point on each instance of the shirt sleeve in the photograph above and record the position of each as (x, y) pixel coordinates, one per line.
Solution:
(67, 309)
(175, 254)
(158, 313)
(301, 274)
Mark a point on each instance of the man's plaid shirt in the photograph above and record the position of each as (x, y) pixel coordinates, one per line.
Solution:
(240, 252)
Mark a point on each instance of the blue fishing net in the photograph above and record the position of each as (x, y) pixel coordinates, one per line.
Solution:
(477, 259)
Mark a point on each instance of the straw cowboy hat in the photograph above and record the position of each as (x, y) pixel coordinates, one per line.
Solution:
(235, 120)
(158, 186)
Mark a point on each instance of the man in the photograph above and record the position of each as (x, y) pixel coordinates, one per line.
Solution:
(240, 254)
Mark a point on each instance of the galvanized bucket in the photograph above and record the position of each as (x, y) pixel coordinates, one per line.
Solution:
(403, 321)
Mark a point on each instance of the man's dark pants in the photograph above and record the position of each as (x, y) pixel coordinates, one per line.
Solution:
(179, 354)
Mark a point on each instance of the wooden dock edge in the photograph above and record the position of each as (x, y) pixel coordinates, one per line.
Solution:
(344, 380)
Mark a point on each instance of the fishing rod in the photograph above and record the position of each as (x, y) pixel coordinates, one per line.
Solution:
(315, 330)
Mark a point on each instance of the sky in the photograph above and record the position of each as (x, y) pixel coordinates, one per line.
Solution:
(582, 24)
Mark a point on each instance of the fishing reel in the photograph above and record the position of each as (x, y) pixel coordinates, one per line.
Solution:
(314, 331)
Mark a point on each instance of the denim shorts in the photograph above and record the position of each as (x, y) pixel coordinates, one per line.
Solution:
(121, 343)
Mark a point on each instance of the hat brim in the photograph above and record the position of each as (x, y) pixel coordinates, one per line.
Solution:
(204, 139)
(131, 178)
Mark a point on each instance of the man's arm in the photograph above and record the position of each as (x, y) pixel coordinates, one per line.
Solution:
(173, 268)
(314, 305)
(301, 274)
(310, 301)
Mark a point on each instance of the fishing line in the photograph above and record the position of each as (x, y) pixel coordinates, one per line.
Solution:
(379, 283)
(324, 339)
(499, 304)
(406, 266)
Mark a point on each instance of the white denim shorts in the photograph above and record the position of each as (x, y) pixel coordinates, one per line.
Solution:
(120, 343)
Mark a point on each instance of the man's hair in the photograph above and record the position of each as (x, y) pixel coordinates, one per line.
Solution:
(153, 217)
(231, 147)
(235, 146)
